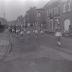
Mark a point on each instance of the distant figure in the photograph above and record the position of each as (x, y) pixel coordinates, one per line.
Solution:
(58, 35)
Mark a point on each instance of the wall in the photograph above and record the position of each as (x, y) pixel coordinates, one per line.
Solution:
(52, 12)
(67, 15)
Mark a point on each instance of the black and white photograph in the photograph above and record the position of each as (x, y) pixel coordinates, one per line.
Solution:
(35, 35)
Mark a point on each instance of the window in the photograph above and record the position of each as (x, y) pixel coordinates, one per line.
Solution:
(66, 25)
(52, 12)
(56, 11)
(47, 12)
(69, 5)
(28, 24)
(38, 14)
(64, 8)
(31, 25)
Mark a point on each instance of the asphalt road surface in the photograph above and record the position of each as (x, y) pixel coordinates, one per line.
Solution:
(37, 55)
(43, 64)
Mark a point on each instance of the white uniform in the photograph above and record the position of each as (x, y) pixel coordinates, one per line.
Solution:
(58, 34)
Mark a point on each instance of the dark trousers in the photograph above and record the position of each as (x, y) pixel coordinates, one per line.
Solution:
(58, 38)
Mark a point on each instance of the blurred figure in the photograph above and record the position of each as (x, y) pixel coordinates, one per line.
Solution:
(58, 36)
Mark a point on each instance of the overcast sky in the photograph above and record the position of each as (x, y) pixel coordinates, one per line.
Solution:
(11, 9)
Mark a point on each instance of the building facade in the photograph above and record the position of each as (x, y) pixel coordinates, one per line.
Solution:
(53, 15)
(41, 18)
(67, 15)
(59, 12)
(56, 14)
(36, 18)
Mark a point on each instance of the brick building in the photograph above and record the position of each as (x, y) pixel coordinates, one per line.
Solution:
(66, 15)
(53, 15)
(41, 18)
(36, 18)
(59, 11)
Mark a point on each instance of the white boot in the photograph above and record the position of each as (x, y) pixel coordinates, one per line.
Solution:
(59, 43)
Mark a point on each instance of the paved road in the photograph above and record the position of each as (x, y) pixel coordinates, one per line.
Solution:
(51, 41)
(43, 58)
(25, 44)
(30, 45)
(36, 65)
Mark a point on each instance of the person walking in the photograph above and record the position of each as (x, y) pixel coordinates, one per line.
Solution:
(58, 35)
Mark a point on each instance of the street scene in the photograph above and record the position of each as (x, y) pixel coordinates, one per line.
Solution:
(36, 36)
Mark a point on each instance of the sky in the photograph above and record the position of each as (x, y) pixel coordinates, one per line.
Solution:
(11, 9)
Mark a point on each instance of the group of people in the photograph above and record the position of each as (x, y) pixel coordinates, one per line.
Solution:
(20, 30)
